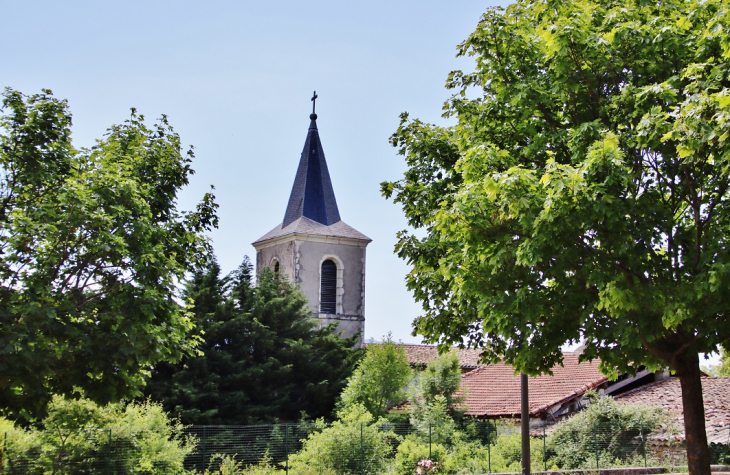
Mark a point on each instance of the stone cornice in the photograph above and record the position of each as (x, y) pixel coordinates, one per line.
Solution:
(311, 238)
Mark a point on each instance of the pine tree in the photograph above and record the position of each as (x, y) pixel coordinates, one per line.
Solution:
(263, 358)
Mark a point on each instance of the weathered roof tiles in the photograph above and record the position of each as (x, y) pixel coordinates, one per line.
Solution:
(421, 355)
(494, 390)
(668, 395)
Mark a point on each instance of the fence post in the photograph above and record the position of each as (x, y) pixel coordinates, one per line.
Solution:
(286, 446)
(489, 449)
(643, 442)
(202, 449)
(362, 455)
(109, 454)
(429, 441)
(544, 446)
(595, 442)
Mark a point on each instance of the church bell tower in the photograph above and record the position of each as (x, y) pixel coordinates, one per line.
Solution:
(315, 249)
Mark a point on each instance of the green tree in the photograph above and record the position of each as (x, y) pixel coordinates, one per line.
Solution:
(433, 399)
(442, 377)
(91, 250)
(583, 193)
(263, 359)
(380, 379)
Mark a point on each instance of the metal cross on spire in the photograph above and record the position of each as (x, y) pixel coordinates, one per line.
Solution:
(314, 99)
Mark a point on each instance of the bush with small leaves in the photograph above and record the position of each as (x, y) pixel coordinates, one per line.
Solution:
(354, 443)
(79, 437)
(606, 429)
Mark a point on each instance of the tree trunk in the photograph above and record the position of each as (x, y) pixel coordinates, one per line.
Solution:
(698, 454)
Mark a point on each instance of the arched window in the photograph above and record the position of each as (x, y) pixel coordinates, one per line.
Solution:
(275, 265)
(328, 288)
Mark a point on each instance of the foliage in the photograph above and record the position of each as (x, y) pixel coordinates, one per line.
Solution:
(608, 428)
(506, 453)
(412, 450)
(724, 368)
(586, 146)
(263, 358)
(442, 377)
(721, 369)
(82, 437)
(356, 443)
(92, 250)
(465, 452)
(583, 193)
(467, 457)
(227, 465)
(433, 399)
(380, 378)
(433, 421)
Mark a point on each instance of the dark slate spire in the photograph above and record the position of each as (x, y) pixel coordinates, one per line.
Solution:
(312, 195)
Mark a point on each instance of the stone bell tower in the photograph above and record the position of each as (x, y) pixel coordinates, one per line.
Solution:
(315, 249)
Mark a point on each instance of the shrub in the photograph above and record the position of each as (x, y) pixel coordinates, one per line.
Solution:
(606, 429)
(413, 449)
(349, 443)
(82, 437)
(506, 452)
(466, 457)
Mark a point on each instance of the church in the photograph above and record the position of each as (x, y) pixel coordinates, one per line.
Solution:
(314, 249)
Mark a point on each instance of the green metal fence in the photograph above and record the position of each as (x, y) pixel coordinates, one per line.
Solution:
(468, 447)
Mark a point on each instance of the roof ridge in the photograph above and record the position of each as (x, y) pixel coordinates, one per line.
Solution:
(644, 387)
(581, 390)
(306, 226)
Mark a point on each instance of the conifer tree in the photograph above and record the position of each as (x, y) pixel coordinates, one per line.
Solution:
(263, 359)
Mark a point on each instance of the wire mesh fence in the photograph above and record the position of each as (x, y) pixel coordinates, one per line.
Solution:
(113, 451)
(347, 448)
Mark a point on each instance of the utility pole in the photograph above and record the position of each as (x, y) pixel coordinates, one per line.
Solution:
(525, 423)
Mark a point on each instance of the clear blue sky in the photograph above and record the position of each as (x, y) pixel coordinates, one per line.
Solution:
(235, 79)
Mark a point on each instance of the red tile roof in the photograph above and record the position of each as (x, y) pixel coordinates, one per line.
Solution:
(668, 395)
(421, 355)
(494, 390)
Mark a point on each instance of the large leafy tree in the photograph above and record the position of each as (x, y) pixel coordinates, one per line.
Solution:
(583, 191)
(263, 358)
(91, 249)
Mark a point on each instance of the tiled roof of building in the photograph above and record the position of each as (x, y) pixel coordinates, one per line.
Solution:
(312, 195)
(494, 390)
(306, 226)
(421, 355)
(668, 395)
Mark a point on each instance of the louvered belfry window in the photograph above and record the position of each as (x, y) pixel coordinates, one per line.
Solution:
(328, 290)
